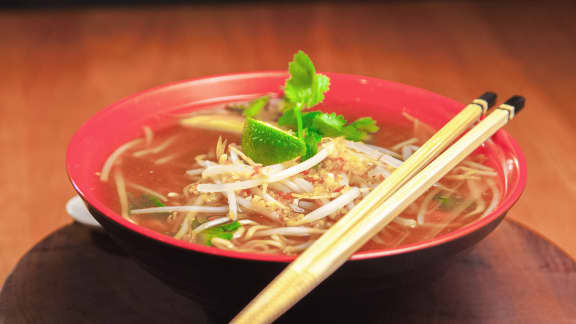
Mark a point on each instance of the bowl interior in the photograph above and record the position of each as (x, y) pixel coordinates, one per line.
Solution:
(353, 96)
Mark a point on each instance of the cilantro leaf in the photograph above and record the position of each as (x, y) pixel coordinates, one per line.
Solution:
(255, 106)
(309, 118)
(155, 201)
(312, 139)
(288, 119)
(145, 201)
(366, 124)
(321, 86)
(330, 125)
(225, 231)
(447, 202)
(305, 88)
(354, 134)
(359, 129)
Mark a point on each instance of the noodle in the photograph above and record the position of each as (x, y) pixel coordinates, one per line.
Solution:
(122, 195)
(148, 191)
(156, 149)
(148, 135)
(170, 209)
(495, 198)
(104, 175)
(224, 199)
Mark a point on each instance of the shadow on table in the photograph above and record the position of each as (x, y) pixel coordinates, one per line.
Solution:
(78, 275)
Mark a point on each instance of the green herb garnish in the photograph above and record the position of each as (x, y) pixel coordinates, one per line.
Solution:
(255, 106)
(331, 125)
(155, 201)
(225, 231)
(312, 139)
(303, 90)
(145, 201)
(447, 202)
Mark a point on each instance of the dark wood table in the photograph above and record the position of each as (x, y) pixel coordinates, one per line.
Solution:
(78, 275)
(59, 66)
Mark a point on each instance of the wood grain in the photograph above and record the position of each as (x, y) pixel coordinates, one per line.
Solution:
(77, 275)
(61, 66)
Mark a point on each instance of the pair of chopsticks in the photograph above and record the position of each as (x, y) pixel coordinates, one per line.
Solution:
(417, 174)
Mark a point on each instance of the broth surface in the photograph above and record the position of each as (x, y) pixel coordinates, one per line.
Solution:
(161, 165)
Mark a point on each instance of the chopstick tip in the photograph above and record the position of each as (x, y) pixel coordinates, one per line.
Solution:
(517, 102)
(490, 98)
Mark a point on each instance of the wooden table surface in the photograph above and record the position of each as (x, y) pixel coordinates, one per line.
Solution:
(60, 66)
(478, 287)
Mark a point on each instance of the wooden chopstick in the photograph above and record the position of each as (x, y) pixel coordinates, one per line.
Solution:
(426, 153)
(315, 265)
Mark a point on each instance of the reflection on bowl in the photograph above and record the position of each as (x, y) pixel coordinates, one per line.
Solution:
(218, 277)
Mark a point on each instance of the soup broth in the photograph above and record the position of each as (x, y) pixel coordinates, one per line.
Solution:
(168, 168)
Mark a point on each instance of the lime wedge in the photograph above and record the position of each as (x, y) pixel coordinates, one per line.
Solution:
(267, 144)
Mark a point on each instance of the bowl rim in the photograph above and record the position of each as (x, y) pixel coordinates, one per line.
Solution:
(515, 190)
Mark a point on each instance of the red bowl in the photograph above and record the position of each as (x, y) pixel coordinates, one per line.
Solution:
(201, 271)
